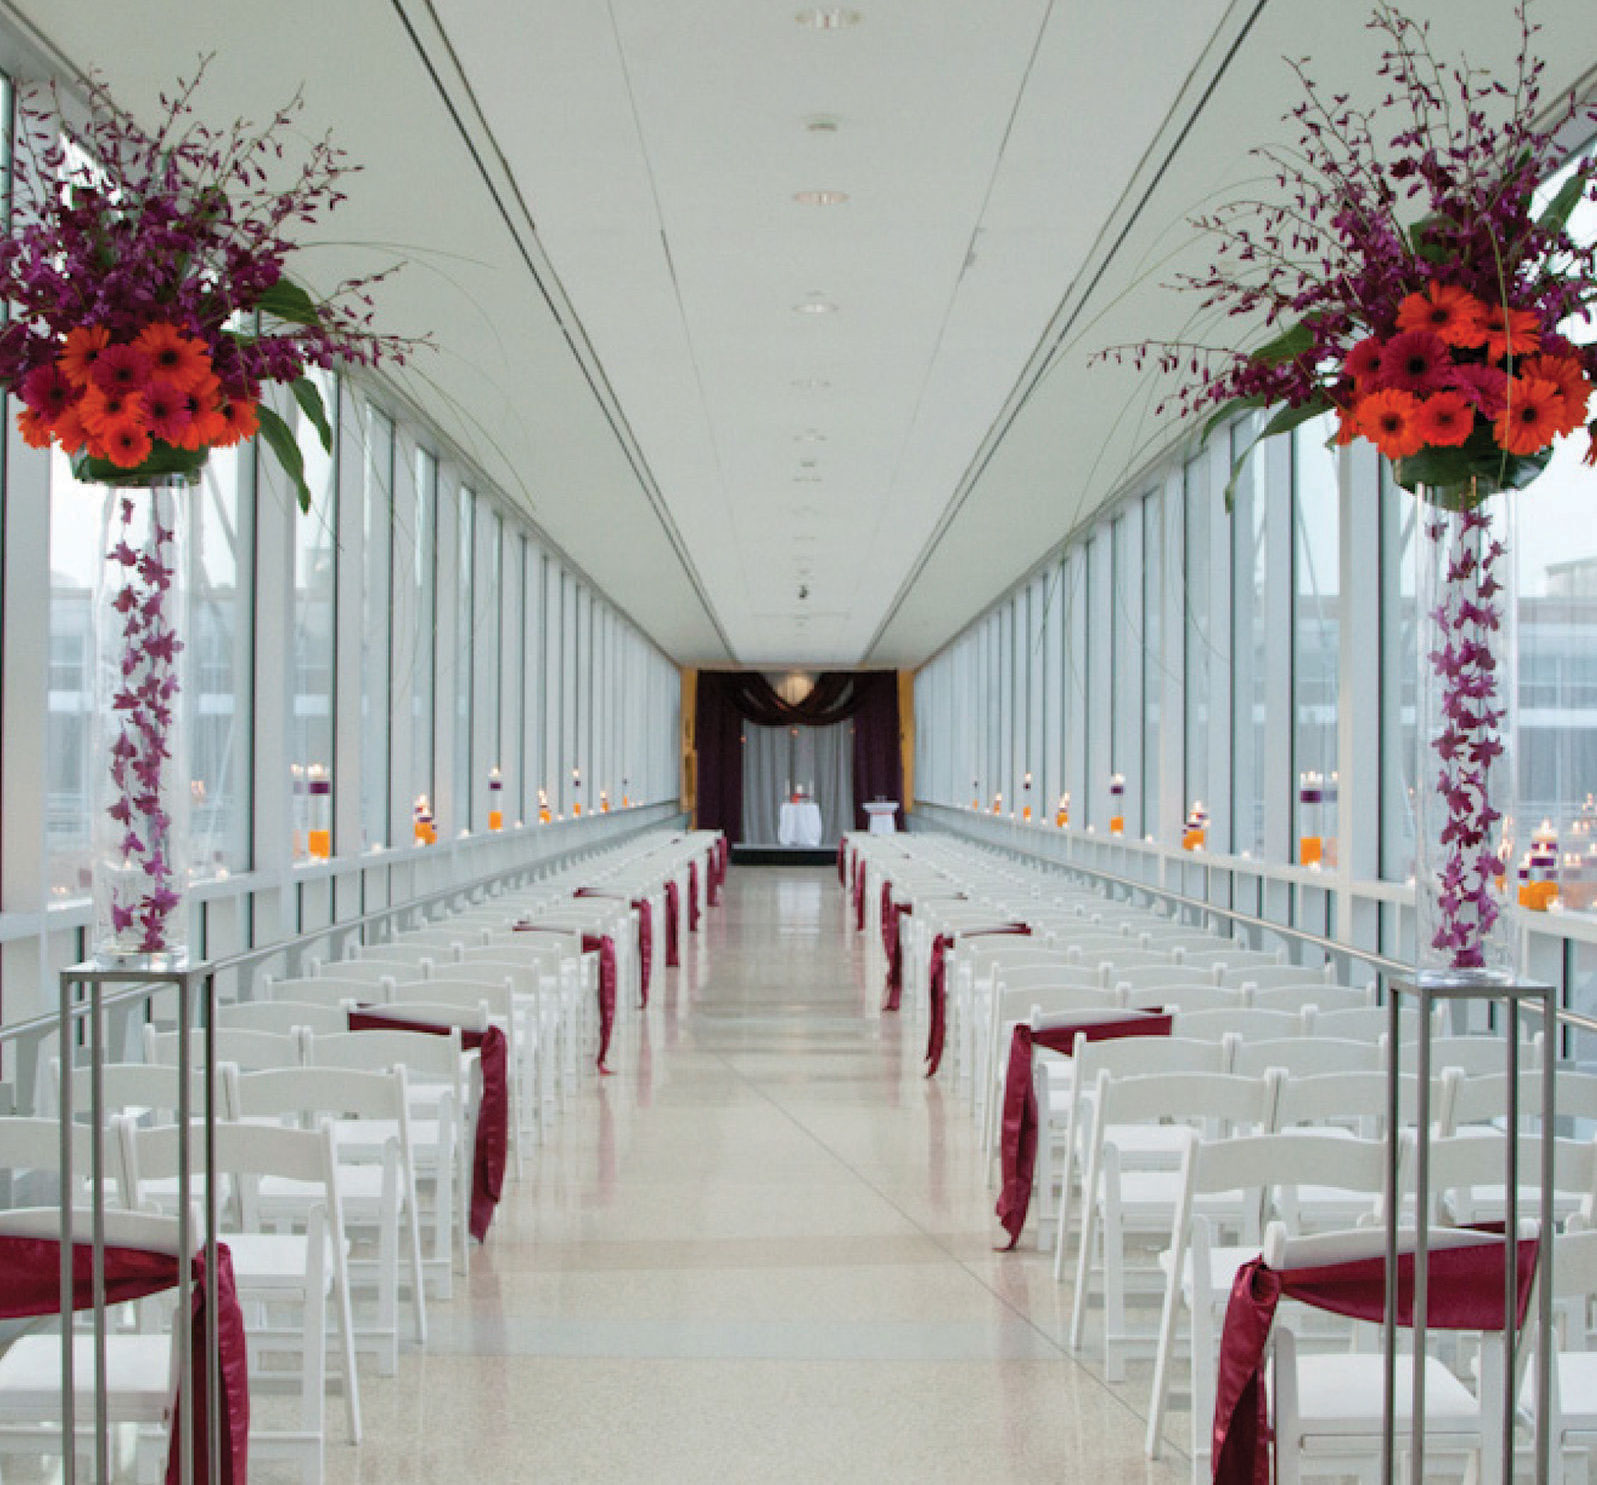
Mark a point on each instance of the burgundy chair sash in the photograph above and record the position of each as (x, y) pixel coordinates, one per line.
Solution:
(30, 1284)
(1021, 1122)
(936, 990)
(606, 948)
(842, 863)
(645, 932)
(859, 899)
(693, 897)
(1464, 1291)
(493, 1113)
(673, 953)
(895, 953)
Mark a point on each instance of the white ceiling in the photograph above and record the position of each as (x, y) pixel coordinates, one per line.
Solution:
(597, 199)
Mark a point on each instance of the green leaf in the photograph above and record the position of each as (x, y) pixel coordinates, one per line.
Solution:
(163, 460)
(1287, 346)
(1229, 410)
(1419, 239)
(280, 438)
(288, 301)
(309, 397)
(1284, 421)
(1555, 217)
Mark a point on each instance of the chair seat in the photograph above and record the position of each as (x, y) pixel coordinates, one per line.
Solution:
(272, 1261)
(1223, 1266)
(1577, 1389)
(138, 1376)
(1343, 1396)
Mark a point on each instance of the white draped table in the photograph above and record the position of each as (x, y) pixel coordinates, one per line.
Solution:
(799, 823)
(882, 814)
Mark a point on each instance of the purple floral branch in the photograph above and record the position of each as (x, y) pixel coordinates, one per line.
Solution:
(144, 700)
(1468, 618)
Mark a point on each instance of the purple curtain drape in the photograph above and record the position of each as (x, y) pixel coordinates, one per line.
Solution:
(728, 699)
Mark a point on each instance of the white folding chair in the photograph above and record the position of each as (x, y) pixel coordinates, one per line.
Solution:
(282, 1016)
(242, 1047)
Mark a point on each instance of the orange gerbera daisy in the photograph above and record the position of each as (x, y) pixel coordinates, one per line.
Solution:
(1572, 383)
(1445, 310)
(82, 350)
(178, 357)
(1390, 420)
(35, 431)
(126, 445)
(1530, 421)
(1446, 420)
(1347, 426)
(239, 421)
(69, 430)
(1515, 332)
(102, 407)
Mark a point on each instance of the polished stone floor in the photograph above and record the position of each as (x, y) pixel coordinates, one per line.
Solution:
(762, 1251)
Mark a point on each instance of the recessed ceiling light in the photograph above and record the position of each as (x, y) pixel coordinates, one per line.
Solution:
(810, 435)
(806, 479)
(815, 304)
(820, 198)
(822, 123)
(812, 383)
(827, 18)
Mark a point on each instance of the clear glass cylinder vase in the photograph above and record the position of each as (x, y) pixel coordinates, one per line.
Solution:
(1465, 775)
(140, 764)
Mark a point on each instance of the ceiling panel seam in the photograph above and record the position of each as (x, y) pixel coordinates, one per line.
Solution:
(671, 270)
(523, 232)
(953, 297)
(1070, 309)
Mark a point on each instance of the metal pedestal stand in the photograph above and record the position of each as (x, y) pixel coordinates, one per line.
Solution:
(1518, 998)
(108, 989)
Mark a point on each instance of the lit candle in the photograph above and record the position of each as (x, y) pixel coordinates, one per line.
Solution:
(422, 812)
(604, 801)
(1026, 786)
(1062, 814)
(544, 815)
(496, 817)
(1196, 836)
(576, 789)
(1311, 794)
(319, 805)
(1117, 795)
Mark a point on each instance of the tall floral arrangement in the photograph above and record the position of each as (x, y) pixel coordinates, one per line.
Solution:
(1415, 278)
(150, 309)
(145, 275)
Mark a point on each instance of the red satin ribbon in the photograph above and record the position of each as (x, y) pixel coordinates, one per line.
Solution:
(693, 897)
(1464, 1292)
(493, 1111)
(645, 932)
(606, 948)
(937, 991)
(1021, 1121)
(673, 954)
(30, 1284)
(859, 899)
(895, 957)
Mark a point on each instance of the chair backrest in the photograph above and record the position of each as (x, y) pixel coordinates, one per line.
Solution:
(328, 989)
(467, 992)
(463, 1016)
(1147, 1055)
(1233, 961)
(1012, 1006)
(1283, 1249)
(1349, 1097)
(361, 972)
(1186, 1097)
(1271, 976)
(281, 1016)
(1321, 996)
(1246, 1023)
(1155, 976)
(1478, 1056)
(1484, 1098)
(314, 1092)
(1124, 965)
(526, 977)
(1271, 1164)
(143, 1087)
(1191, 997)
(1368, 1023)
(246, 1048)
(31, 1146)
(240, 1150)
(1459, 1162)
(403, 954)
(1306, 1056)
(123, 1229)
(422, 1054)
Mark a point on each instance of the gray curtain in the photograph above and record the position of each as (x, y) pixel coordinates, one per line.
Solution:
(778, 759)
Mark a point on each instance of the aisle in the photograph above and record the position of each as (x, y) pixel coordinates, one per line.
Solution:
(760, 1252)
